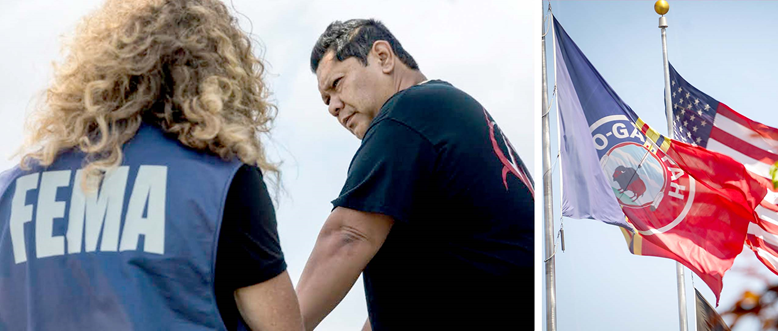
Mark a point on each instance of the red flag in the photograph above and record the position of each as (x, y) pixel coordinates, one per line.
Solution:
(704, 212)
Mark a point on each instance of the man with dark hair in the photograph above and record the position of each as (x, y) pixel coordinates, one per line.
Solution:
(437, 209)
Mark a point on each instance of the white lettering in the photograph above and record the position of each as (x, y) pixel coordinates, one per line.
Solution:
(603, 144)
(102, 212)
(49, 208)
(21, 213)
(75, 232)
(620, 131)
(675, 173)
(637, 134)
(149, 191)
(676, 189)
(93, 217)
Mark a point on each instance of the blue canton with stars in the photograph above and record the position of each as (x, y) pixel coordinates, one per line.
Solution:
(693, 111)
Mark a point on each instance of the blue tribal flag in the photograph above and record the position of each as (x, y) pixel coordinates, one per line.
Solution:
(586, 192)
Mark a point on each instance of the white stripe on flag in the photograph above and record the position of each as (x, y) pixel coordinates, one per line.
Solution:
(750, 136)
(768, 237)
(771, 197)
(752, 165)
(746, 136)
(767, 215)
(767, 257)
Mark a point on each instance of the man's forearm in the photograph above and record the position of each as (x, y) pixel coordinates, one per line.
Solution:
(334, 265)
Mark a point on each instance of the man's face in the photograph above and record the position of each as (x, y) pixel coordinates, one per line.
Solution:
(353, 92)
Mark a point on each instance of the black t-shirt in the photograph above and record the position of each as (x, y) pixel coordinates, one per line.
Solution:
(248, 251)
(460, 254)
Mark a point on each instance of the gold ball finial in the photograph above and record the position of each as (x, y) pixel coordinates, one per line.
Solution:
(661, 7)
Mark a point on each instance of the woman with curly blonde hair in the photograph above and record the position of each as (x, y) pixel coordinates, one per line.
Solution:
(139, 202)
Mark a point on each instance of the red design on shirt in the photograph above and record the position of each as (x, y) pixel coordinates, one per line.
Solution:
(509, 165)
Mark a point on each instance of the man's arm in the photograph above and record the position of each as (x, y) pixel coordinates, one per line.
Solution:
(270, 305)
(347, 242)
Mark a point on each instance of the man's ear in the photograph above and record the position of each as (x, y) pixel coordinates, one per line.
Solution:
(384, 54)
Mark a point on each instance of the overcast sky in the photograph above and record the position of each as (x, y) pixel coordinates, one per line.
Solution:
(724, 48)
(486, 48)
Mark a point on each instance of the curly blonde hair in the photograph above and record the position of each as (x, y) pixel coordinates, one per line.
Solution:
(182, 65)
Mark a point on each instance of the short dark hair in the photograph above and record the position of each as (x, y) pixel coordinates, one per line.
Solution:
(355, 38)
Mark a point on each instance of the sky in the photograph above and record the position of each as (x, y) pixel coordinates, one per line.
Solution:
(725, 49)
(486, 48)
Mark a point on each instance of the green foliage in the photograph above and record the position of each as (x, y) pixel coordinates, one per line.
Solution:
(773, 172)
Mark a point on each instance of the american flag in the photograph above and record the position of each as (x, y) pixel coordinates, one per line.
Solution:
(701, 120)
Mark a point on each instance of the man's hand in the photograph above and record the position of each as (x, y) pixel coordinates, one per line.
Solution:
(347, 242)
(270, 305)
(367, 326)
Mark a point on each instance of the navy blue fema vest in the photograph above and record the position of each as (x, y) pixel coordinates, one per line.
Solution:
(137, 255)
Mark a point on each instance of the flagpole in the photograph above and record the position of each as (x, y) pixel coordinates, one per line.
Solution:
(662, 7)
(548, 219)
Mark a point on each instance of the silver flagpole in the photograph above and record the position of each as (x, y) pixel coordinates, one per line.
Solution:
(548, 219)
(662, 7)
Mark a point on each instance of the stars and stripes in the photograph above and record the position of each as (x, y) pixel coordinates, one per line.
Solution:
(692, 114)
(701, 120)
